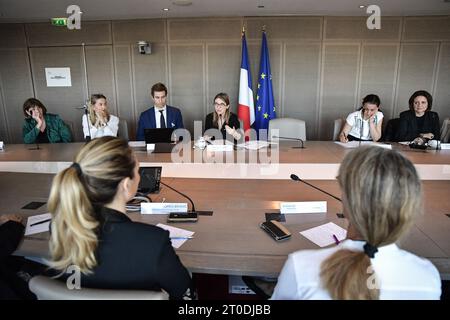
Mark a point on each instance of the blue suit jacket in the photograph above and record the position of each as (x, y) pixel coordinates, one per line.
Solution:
(147, 120)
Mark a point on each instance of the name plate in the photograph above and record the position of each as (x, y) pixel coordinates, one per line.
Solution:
(162, 207)
(136, 144)
(150, 146)
(219, 147)
(303, 207)
(445, 146)
(1, 145)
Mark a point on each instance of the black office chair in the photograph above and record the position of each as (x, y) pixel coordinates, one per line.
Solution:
(390, 132)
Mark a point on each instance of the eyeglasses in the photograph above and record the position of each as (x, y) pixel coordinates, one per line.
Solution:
(219, 104)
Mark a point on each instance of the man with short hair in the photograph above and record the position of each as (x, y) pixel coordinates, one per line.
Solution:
(160, 115)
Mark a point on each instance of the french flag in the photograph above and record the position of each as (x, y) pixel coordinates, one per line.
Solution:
(246, 109)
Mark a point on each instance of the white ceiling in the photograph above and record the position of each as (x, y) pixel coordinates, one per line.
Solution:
(42, 10)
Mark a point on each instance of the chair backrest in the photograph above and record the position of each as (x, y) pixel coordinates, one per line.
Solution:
(69, 124)
(445, 131)
(338, 124)
(390, 131)
(46, 288)
(123, 129)
(288, 127)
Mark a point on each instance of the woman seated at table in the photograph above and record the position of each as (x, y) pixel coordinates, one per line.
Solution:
(364, 124)
(381, 193)
(419, 122)
(222, 118)
(100, 123)
(90, 228)
(43, 127)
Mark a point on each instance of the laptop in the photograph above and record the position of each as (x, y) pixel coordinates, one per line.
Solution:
(150, 179)
(161, 138)
(158, 135)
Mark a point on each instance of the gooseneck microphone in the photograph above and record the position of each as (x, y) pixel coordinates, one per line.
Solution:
(190, 200)
(86, 112)
(295, 139)
(296, 178)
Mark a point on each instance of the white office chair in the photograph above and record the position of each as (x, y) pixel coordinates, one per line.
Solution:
(123, 129)
(46, 288)
(338, 125)
(445, 131)
(288, 127)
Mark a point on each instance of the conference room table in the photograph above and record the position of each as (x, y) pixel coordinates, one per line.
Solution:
(240, 194)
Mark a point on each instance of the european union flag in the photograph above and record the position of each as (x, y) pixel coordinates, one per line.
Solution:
(265, 105)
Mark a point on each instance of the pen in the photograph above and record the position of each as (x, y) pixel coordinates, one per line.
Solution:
(40, 222)
(181, 238)
(336, 240)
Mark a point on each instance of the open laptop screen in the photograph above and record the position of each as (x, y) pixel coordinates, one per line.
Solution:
(160, 135)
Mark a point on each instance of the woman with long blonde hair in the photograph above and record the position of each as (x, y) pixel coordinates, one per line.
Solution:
(381, 193)
(91, 231)
(101, 123)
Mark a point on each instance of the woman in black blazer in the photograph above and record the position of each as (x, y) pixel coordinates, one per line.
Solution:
(91, 231)
(419, 121)
(222, 119)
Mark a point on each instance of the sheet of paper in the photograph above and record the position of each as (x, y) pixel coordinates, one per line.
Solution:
(182, 234)
(356, 144)
(254, 144)
(38, 228)
(323, 235)
(303, 207)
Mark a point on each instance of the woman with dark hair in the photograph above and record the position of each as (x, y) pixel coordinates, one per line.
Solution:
(43, 127)
(90, 228)
(222, 118)
(381, 197)
(101, 122)
(364, 124)
(419, 123)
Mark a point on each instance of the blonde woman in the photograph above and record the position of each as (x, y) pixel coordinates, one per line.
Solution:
(91, 231)
(381, 194)
(100, 123)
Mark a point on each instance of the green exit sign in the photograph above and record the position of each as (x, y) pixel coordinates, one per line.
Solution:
(59, 22)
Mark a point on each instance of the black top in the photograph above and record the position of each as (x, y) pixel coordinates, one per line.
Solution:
(410, 126)
(133, 255)
(233, 122)
(42, 137)
(11, 233)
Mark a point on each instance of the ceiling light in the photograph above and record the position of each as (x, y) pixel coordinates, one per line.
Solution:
(165, 9)
(362, 6)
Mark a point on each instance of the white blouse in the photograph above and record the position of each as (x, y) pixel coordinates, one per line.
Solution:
(401, 274)
(110, 129)
(360, 126)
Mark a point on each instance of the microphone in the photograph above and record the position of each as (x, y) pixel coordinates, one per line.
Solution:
(295, 139)
(86, 112)
(193, 211)
(296, 178)
(35, 148)
(361, 129)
